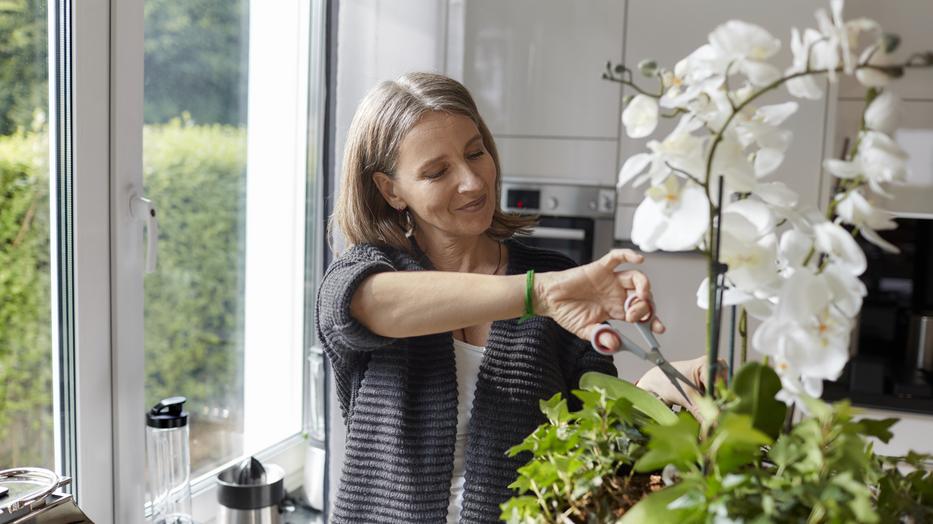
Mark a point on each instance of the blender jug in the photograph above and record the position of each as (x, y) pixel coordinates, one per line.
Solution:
(169, 462)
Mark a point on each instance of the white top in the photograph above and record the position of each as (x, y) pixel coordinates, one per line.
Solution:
(468, 358)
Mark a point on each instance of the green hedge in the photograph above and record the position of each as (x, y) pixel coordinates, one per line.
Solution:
(25, 307)
(193, 316)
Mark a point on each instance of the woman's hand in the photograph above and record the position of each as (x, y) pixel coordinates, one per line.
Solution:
(655, 381)
(581, 298)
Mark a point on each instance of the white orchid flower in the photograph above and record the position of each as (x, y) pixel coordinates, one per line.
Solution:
(757, 308)
(855, 209)
(674, 217)
(807, 335)
(737, 171)
(881, 114)
(839, 245)
(879, 159)
(839, 37)
(749, 249)
(876, 56)
(848, 290)
(681, 149)
(746, 46)
(777, 194)
(882, 160)
(812, 51)
(640, 117)
(793, 250)
(762, 129)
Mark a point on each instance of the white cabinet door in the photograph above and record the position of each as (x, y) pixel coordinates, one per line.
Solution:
(534, 67)
(669, 30)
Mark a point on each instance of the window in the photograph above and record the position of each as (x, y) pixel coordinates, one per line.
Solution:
(225, 164)
(220, 133)
(27, 435)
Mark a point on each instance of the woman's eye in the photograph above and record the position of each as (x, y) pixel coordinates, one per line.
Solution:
(476, 155)
(438, 174)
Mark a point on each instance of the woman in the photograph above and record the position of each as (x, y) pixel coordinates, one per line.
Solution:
(436, 374)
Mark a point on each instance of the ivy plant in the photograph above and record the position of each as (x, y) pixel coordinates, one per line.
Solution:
(626, 457)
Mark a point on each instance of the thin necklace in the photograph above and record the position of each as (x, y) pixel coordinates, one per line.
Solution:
(496, 272)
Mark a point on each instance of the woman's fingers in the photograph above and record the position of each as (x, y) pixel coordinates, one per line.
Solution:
(617, 257)
(636, 281)
(657, 326)
(606, 339)
(638, 311)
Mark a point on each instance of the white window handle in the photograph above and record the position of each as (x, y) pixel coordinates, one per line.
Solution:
(144, 210)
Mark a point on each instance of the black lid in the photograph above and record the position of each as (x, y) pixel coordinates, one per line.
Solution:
(168, 414)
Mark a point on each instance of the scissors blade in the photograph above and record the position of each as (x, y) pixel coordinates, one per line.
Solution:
(674, 374)
(645, 329)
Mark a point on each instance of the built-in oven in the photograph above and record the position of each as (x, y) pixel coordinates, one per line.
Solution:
(575, 219)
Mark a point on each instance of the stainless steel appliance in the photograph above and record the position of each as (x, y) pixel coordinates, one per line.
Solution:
(250, 493)
(28, 496)
(895, 331)
(576, 218)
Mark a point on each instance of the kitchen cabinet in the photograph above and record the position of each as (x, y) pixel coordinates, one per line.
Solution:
(534, 69)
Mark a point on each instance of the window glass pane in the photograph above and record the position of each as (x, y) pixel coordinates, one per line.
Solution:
(229, 238)
(26, 348)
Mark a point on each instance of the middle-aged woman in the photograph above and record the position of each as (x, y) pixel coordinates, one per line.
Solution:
(436, 374)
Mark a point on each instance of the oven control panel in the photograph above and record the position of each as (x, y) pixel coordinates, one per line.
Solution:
(567, 200)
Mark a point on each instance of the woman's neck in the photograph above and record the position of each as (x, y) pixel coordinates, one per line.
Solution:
(462, 254)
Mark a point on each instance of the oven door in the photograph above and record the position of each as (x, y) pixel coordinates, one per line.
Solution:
(572, 236)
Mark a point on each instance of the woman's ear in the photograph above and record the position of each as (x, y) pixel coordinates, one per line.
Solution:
(386, 187)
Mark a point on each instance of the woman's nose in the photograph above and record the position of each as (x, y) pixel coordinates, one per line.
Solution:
(469, 180)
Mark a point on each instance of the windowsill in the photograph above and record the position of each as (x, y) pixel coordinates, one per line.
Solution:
(303, 513)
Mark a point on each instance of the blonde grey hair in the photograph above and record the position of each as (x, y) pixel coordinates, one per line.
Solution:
(382, 120)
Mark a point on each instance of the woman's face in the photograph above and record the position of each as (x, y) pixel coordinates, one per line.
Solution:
(445, 177)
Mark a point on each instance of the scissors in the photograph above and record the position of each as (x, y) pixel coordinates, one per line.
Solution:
(652, 355)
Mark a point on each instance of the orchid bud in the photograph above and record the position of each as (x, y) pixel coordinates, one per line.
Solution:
(890, 42)
(648, 68)
(626, 99)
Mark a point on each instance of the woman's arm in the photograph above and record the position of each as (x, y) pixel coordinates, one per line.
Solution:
(413, 303)
(406, 304)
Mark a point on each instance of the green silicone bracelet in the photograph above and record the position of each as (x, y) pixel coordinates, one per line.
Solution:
(529, 302)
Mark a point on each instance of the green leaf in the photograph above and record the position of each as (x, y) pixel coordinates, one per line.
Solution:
(555, 408)
(756, 385)
(676, 444)
(656, 507)
(643, 401)
(880, 429)
(736, 443)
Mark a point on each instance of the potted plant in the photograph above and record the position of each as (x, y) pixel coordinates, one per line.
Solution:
(746, 458)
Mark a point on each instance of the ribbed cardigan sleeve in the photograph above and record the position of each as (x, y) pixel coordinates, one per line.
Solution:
(336, 326)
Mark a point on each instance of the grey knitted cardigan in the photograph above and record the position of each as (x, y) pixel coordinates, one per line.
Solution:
(398, 397)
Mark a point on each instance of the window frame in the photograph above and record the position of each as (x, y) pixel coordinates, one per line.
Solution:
(107, 50)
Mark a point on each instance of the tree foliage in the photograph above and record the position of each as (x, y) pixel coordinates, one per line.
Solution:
(24, 88)
(25, 305)
(195, 60)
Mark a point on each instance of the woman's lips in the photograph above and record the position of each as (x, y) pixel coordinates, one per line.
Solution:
(475, 205)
